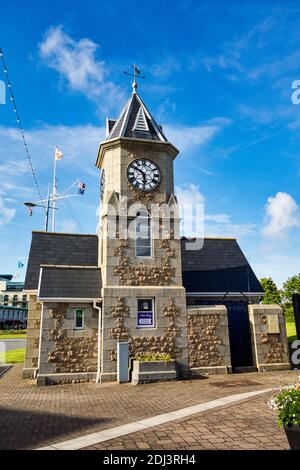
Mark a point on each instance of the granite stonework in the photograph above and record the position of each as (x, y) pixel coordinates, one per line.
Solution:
(68, 354)
(270, 350)
(208, 339)
(169, 334)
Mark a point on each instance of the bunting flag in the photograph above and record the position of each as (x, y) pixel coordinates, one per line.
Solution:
(20, 264)
(58, 154)
(81, 188)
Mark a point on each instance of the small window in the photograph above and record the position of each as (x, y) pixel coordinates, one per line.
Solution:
(79, 318)
(145, 313)
(143, 240)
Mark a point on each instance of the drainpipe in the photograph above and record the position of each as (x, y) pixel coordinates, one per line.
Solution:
(37, 369)
(98, 376)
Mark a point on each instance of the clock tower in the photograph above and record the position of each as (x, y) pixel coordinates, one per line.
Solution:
(143, 300)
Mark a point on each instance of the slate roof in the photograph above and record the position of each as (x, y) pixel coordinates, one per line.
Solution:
(70, 283)
(125, 124)
(220, 266)
(59, 249)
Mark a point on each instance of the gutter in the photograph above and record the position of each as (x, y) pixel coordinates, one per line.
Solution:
(221, 294)
(100, 339)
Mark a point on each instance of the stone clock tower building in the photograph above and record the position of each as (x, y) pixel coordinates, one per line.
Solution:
(136, 281)
(144, 301)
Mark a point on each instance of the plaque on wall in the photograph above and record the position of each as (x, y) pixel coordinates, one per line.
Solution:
(273, 324)
(145, 319)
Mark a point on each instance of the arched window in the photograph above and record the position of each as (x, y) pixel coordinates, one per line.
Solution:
(143, 239)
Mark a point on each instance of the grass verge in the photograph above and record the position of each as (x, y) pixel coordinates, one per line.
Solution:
(291, 331)
(15, 356)
(12, 335)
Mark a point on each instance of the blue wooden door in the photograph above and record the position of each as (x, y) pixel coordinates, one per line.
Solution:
(239, 334)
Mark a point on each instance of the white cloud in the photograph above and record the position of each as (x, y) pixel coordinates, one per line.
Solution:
(68, 226)
(165, 67)
(195, 222)
(76, 62)
(79, 145)
(6, 213)
(187, 138)
(282, 215)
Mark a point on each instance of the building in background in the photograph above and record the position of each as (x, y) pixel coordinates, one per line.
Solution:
(13, 303)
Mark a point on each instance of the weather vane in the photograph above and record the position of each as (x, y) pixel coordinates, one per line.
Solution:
(136, 73)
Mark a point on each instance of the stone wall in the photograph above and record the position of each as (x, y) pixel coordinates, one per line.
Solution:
(169, 334)
(64, 349)
(208, 339)
(270, 350)
(32, 338)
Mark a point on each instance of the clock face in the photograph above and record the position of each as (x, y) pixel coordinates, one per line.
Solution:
(143, 174)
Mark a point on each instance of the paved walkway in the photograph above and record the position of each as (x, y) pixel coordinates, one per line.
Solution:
(144, 424)
(244, 426)
(32, 417)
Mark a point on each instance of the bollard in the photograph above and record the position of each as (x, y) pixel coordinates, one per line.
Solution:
(296, 307)
(122, 362)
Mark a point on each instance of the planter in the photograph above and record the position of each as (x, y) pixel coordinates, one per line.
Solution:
(156, 371)
(293, 436)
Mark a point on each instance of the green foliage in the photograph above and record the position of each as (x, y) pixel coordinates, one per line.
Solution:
(147, 357)
(291, 286)
(287, 405)
(272, 294)
(288, 312)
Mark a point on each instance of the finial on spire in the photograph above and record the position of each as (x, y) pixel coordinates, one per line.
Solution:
(136, 73)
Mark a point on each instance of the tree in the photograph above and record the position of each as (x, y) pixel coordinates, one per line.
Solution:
(272, 294)
(291, 286)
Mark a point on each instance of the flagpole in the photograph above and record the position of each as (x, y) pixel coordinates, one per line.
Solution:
(54, 193)
(47, 210)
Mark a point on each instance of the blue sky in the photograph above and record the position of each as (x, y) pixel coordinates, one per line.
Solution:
(218, 78)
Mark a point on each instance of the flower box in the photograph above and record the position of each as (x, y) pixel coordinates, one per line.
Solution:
(153, 371)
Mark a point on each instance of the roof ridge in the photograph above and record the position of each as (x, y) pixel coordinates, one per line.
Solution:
(66, 233)
(69, 266)
(209, 238)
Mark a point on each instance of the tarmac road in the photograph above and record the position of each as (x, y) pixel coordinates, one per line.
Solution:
(11, 344)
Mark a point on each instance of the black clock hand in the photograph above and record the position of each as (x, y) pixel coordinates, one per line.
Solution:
(136, 168)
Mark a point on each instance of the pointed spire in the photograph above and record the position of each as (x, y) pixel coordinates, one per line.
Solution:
(135, 121)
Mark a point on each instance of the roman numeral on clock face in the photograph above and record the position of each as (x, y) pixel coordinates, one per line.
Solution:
(143, 174)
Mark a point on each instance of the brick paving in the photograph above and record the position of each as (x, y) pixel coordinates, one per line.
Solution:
(32, 417)
(249, 425)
